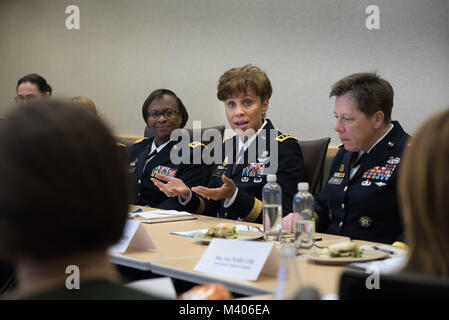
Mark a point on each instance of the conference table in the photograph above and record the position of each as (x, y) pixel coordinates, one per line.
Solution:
(176, 256)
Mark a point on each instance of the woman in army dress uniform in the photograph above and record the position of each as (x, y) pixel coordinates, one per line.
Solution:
(360, 200)
(235, 189)
(163, 112)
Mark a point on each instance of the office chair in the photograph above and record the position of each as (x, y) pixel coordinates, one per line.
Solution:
(398, 286)
(314, 152)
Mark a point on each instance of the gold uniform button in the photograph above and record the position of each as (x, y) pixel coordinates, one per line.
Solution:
(342, 205)
(340, 224)
(139, 181)
(346, 188)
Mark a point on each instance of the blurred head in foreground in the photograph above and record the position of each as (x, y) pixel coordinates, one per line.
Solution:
(84, 103)
(423, 185)
(59, 199)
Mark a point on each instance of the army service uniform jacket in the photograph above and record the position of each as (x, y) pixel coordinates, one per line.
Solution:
(146, 193)
(366, 206)
(250, 176)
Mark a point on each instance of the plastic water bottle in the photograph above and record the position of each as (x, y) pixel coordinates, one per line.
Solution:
(272, 209)
(288, 283)
(304, 224)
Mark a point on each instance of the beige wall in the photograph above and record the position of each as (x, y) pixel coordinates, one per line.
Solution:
(127, 48)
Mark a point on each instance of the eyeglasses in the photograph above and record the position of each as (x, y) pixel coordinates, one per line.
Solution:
(29, 97)
(168, 114)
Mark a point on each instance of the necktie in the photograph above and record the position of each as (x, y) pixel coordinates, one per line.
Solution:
(240, 155)
(148, 158)
(356, 160)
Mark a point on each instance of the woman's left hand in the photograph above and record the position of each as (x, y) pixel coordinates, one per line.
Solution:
(226, 191)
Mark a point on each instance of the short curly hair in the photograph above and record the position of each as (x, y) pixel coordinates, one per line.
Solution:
(238, 80)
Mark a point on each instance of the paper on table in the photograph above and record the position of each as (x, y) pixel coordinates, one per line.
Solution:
(160, 214)
(134, 235)
(238, 259)
(193, 233)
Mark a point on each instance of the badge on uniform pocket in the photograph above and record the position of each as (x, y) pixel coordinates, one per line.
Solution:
(219, 171)
(366, 183)
(365, 222)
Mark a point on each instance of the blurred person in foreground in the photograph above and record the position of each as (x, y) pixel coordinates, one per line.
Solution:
(423, 185)
(235, 188)
(84, 103)
(359, 199)
(61, 203)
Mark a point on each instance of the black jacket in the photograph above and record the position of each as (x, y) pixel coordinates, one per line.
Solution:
(146, 193)
(250, 178)
(366, 206)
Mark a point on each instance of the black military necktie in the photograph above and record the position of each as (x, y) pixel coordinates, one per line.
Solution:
(240, 154)
(356, 160)
(148, 158)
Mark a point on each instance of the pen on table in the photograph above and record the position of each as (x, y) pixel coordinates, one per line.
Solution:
(383, 250)
(132, 214)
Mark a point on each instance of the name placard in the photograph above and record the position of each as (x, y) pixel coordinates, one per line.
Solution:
(134, 235)
(237, 259)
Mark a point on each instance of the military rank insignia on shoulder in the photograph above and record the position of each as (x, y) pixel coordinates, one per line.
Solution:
(284, 137)
(140, 140)
(196, 144)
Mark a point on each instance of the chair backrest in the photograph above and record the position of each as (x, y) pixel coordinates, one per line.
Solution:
(353, 285)
(147, 133)
(314, 153)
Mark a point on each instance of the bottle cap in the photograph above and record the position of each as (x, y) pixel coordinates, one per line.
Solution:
(303, 186)
(271, 178)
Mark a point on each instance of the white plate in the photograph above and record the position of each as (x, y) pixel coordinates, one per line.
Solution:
(241, 235)
(368, 255)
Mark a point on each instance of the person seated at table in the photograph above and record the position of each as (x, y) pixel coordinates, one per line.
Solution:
(163, 112)
(422, 187)
(61, 204)
(235, 189)
(84, 103)
(359, 199)
(32, 86)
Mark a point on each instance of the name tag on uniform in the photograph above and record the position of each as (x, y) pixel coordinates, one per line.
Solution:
(335, 180)
(165, 171)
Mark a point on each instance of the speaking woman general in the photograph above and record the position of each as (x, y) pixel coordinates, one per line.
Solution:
(235, 188)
